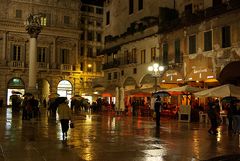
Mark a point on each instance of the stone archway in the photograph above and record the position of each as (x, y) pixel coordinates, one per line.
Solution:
(65, 89)
(129, 83)
(147, 81)
(15, 86)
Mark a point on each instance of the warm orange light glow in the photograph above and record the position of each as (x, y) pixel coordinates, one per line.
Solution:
(89, 65)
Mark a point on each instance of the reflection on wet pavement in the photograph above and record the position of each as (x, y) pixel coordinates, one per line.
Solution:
(110, 138)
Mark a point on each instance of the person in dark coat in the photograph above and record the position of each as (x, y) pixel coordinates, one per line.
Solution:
(213, 116)
(157, 108)
(231, 110)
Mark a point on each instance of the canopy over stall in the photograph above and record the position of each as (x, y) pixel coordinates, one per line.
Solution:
(220, 91)
(186, 88)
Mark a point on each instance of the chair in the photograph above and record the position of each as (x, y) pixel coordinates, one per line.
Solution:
(184, 113)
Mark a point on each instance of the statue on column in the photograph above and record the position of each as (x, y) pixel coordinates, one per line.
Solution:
(33, 25)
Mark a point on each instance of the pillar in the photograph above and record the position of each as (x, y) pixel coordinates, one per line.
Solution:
(53, 56)
(32, 63)
(33, 28)
(4, 48)
(122, 99)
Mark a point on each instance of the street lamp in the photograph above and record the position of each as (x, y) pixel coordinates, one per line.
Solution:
(156, 70)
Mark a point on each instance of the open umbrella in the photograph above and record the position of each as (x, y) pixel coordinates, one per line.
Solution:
(16, 92)
(27, 94)
(77, 97)
(60, 100)
(161, 94)
(54, 95)
(229, 99)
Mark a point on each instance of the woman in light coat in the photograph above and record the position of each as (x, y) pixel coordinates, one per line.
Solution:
(64, 114)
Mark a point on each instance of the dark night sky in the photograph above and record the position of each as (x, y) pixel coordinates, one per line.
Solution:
(96, 2)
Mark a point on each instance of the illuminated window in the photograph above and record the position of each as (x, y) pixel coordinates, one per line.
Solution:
(43, 21)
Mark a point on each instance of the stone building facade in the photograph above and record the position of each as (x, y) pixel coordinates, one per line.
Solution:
(61, 54)
(194, 40)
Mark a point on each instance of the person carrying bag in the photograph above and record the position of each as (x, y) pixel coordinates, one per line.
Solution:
(65, 115)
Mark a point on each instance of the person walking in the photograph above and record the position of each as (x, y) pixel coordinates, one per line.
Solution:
(231, 111)
(157, 108)
(213, 116)
(64, 114)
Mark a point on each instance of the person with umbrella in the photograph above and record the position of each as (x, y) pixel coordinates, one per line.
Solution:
(157, 108)
(231, 110)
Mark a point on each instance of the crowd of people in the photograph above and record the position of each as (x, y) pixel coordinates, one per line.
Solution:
(213, 107)
(29, 106)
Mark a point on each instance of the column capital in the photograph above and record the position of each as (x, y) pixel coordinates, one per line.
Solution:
(33, 25)
(33, 31)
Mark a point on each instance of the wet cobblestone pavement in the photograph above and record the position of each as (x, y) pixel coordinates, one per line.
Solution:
(109, 138)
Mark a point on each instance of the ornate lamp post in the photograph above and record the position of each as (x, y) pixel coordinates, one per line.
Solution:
(33, 28)
(156, 71)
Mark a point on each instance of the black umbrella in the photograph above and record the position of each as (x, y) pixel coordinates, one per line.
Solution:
(60, 100)
(16, 92)
(229, 99)
(161, 94)
(27, 94)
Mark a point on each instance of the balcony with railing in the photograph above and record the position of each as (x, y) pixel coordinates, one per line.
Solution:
(43, 66)
(17, 64)
(131, 61)
(113, 64)
(186, 19)
(66, 67)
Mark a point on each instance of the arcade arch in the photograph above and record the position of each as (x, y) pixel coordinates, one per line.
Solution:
(65, 89)
(15, 86)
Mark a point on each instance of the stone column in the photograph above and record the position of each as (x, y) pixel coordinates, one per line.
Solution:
(77, 51)
(122, 99)
(33, 28)
(32, 63)
(4, 48)
(53, 56)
